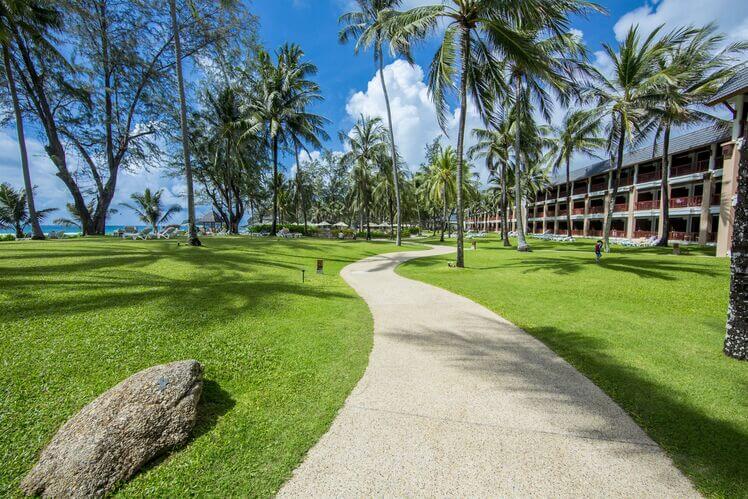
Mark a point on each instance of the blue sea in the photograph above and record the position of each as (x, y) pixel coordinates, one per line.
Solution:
(70, 230)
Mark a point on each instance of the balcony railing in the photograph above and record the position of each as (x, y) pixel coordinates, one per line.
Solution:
(595, 233)
(577, 232)
(687, 202)
(617, 233)
(598, 187)
(649, 177)
(577, 211)
(580, 190)
(628, 180)
(647, 205)
(699, 166)
(683, 236)
(644, 233)
(539, 214)
(620, 207)
(596, 209)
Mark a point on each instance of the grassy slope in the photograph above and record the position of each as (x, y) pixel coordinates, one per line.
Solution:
(279, 356)
(645, 326)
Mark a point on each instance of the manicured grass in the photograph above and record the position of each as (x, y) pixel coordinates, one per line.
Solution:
(644, 325)
(280, 356)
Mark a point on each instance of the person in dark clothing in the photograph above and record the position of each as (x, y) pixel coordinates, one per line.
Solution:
(598, 251)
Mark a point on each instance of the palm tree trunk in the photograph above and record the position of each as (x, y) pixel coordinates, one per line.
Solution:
(299, 186)
(368, 221)
(614, 193)
(445, 221)
(274, 226)
(461, 143)
(568, 199)
(396, 181)
(504, 206)
(521, 242)
(36, 230)
(193, 239)
(736, 338)
(665, 201)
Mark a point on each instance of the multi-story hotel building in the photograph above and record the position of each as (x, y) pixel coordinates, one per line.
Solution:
(702, 186)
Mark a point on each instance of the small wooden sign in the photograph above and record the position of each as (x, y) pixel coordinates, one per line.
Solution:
(320, 265)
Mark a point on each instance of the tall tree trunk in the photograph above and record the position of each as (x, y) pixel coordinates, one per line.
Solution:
(193, 239)
(368, 220)
(36, 230)
(461, 143)
(521, 241)
(665, 201)
(395, 179)
(445, 220)
(568, 199)
(614, 191)
(274, 226)
(736, 338)
(504, 207)
(299, 186)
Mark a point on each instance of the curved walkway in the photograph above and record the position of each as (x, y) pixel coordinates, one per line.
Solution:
(456, 401)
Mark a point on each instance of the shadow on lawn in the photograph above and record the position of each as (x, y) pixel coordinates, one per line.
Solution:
(712, 451)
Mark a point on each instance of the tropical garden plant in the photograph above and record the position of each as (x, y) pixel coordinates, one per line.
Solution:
(150, 209)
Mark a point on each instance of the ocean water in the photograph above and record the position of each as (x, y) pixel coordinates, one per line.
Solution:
(70, 230)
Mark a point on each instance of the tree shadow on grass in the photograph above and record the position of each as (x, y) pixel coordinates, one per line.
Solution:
(711, 451)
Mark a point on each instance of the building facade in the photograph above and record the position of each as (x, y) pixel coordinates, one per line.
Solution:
(702, 184)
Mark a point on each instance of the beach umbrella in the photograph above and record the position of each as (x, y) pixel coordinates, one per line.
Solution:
(341, 225)
(323, 224)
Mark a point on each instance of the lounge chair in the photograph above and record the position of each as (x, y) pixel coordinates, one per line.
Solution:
(129, 232)
(167, 233)
(143, 234)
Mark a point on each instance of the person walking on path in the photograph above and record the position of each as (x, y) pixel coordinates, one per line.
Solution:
(598, 251)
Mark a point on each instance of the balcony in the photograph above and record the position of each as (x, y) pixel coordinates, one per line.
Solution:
(626, 181)
(647, 205)
(577, 232)
(688, 202)
(580, 190)
(617, 233)
(577, 211)
(649, 177)
(644, 234)
(596, 209)
(595, 233)
(562, 213)
(698, 167)
(717, 199)
(598, 187)
(620, 207)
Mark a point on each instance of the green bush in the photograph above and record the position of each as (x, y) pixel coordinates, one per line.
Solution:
(7, 237)
(310, 231)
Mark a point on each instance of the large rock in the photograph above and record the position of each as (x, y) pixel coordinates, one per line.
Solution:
(113, 436)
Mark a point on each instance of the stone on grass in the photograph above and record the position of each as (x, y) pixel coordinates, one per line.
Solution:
(111, 438)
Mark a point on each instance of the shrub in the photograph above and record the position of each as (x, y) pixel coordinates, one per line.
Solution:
(310, 231)
(7, 237)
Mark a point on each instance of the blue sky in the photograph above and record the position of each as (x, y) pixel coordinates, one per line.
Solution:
(350, 86)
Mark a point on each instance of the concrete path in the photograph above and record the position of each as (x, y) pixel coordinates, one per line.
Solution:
(458, 402)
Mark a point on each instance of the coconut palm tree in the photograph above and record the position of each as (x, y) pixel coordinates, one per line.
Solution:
(623, 97)
(368, 25)
(580, 132)
(493, 145)
(367, 142)
(278, 105)
(689, 73)
(33, 19)
(14, 212)
(736, 337)
(149, 208)
(441, 183)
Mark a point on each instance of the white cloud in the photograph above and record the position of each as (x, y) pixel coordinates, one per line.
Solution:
(413, 112)
(730, 15)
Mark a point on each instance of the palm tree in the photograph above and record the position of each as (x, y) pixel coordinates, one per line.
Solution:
(689, 73)
(368, 143)
(493, 145)
(736, 336)
(149, 208)
(369, 26)
(14, 210)
(279, 105)
(193, 239)
(624, 97)
(440, 182)
(74, 218)
(579, 133)
(31, 18)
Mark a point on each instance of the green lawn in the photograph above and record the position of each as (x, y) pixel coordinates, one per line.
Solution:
(644, 325)
(280, 356)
